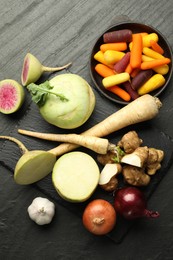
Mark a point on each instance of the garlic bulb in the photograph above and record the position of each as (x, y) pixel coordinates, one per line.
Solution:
(41, 210)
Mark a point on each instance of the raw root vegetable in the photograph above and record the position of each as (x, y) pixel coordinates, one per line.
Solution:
(75, 176)
(98, 145)
(141, 78)
(156, 47)
(117, 46)
(121, 65)
(130, 203)
(33, 69)
(99, 217)
(120, 92)
(142, 109)
(32, 165)
(104, 70)
(115, 79)
(133, 93)
(145, 65)
(136, 51)
(147, 39)
(11, 96)
(118, 36)
(155, 82)
(163, 69)
(151, 53)
(71, 103)
(111, 57)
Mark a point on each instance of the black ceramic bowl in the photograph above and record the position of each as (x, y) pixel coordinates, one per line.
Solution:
(135, 28)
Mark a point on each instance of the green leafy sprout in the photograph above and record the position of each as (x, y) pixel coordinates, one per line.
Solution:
(40, 92)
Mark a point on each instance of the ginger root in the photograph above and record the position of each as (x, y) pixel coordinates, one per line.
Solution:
(155, 157)
(135, 176)
(130, 141)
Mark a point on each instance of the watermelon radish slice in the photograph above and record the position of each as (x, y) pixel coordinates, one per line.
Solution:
(11, 96)
(32, 69)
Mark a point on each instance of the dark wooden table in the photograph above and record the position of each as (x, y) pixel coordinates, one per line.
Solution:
(57, 32)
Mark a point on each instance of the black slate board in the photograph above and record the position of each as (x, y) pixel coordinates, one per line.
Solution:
(32, 120)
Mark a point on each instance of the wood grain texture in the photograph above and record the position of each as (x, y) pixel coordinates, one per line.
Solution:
(58, 32)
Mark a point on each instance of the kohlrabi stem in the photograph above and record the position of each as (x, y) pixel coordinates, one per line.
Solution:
(62, 97)
(19, 143)
(48, 69)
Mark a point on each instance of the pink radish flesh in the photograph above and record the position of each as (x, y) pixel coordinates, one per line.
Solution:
(8, 96)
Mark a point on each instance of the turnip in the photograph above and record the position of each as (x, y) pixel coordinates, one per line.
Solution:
(78, 96)
(11, 96)
(33, 69)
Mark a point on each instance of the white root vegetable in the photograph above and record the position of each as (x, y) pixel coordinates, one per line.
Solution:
(142, 109)
(98, 145)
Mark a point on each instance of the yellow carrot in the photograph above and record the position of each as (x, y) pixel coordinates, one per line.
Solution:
(163, 69)
(100, 58)
(104, 70)
(136, 51)
(154, 63)
(115, 79)
(117, 46)
(155, 82)
(147, 39)
(120, 93)
(111, 57)
(153, 54)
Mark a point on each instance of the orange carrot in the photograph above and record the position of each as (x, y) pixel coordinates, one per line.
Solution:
(104, 70)
(154, 63)
(136, 51)
(120, 93)
(156, 47)
(117, 46)
(129, 68)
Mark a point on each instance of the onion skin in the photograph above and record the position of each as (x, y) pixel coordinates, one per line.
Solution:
(99, 217)
(130, 203)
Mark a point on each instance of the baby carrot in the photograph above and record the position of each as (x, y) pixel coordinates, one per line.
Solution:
(153, 54)
(129, 68)
(147, 39)
(153, 83)
(163, 69)
(154, 63)
(117, 46)
(111, 57)
(104, 70)
(156, 47)
(120, 92)
(100, 58)
(136, 51)
(115, 79)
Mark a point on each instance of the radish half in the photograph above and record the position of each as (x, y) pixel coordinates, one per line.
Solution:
(75, 176)
(11, 96)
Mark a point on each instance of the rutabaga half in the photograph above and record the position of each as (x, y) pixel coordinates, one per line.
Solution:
(75, 176)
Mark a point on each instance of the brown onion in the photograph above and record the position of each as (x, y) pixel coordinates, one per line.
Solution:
(99, 217)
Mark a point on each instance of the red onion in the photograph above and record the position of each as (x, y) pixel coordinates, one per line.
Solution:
(130, 203)
(99, 217)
